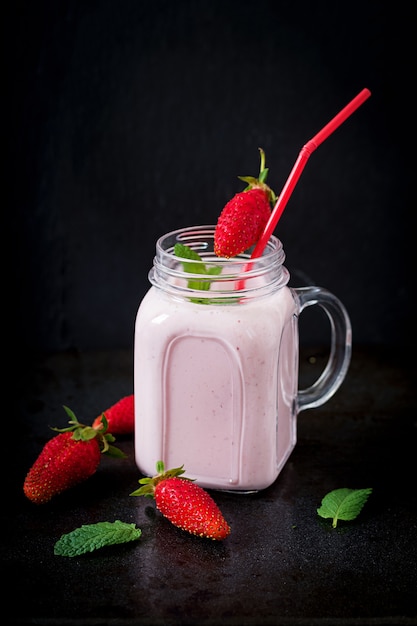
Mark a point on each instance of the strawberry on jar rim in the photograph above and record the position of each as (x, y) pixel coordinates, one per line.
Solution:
(243, 219)
(184, 503)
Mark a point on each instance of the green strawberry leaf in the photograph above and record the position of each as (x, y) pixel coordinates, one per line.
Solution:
(85, 434)
(71, 415)
(114, 452)
(263, 175)
(90, 537)
(261, 180)
(251, 180)
(343, 504)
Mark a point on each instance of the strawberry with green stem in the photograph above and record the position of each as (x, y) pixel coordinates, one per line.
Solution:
(184, 503)
(68, 459)
(244, 217)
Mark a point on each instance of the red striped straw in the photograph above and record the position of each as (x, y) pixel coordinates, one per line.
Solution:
(299, 165)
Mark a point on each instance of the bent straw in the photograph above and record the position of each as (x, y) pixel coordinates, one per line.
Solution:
(299, 165)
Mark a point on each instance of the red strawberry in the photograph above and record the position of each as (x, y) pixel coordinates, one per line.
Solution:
(187, 505)
(120, 417)
(67, 460)
(245, 216)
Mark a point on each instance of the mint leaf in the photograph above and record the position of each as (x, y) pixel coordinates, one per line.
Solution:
(90, 537)
(344, 504)
(185, 252)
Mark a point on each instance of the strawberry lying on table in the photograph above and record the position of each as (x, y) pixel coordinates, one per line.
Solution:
(184, 503)
(74, 455)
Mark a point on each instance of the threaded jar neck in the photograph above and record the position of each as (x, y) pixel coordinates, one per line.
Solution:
(215, 280)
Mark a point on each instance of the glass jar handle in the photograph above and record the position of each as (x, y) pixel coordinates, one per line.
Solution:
(340, 346)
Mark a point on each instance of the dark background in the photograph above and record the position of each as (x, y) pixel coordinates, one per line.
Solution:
(124, 119)
(127, 119)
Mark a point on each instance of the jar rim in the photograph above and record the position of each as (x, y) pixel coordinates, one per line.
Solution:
(192, 236)
(213, 279)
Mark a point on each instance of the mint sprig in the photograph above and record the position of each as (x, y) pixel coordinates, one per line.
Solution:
(90, 537)
(343, 504)
(190, 255)
(185, 252)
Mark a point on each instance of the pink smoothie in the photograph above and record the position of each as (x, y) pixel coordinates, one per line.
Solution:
(215, 388)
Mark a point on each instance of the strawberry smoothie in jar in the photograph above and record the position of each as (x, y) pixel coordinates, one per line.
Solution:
(216, 362)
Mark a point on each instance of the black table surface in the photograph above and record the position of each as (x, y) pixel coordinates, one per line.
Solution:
(282, 563)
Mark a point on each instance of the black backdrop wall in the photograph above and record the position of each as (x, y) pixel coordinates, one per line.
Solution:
(128, 118)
